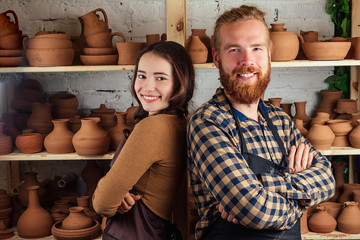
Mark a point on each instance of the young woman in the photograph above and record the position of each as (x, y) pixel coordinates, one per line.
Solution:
(138, 193)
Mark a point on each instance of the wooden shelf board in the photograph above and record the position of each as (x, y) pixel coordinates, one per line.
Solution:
(83, 68)
(333, 235)
(17, 156)
(340, 151)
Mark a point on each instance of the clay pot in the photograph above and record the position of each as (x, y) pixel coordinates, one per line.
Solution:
(320, 136)
(287, 108)
(7, 26)
(59, 141)
(52, 35)
(29, 142)
(285, 45)
(30, 180)
(325, 50)
(349, 218)
(84, 201)
(348, 106)
(107, 121)
(40, 118)
(91, 174)
(5, 141)
(152, 38)
(321, 221)
(35, 222)
(339, 179)
(347, 193)
(103, 39)
(87, 233)
(300, 125)
(329, 101)
(61, 206)
(309, 36)
(128, 52)
(333, 208)
(36, 42)
(320, 118)
(76, 219)
(116, 133)
(11, 53)
(102, 110)
(64, 105)
(12, 41)
(300, 113)
(197, 50)
(275, 101)
(50, 57)
(92, 23)
(354, 136)
(341, 128)
(204, 39)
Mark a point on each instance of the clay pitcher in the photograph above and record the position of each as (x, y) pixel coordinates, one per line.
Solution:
(60, 139)
(197, 50)
(93, 24)
(321, 221)
(91, 139)
(116, 133)
(7, 26)
(76, 219)
(349, 218)
(35, 222)
(285, 45)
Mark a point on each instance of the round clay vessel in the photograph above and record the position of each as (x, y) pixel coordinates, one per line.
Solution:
(59, 141)
(197, 50)
(40, 118)
(300, 125)
(309, 36)
(320, 136)
(100, 51)
(333, 208)
(97, 112)
(81, 234)
(29, 142)
(287, 108)
(320, 118)
(35, 222)
(49, 43)
(341, 129)
(321, 221)
(201, 32)
(50, 57)
(76, 219)
(300, 113)
(75, 123)
(103, 39)
(325, 50)
(349, 218)
(116, 133)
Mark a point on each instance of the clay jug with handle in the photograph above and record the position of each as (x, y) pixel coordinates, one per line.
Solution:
(6, 25)
(93, 24)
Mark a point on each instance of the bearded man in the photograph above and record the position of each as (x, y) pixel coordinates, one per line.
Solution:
(251, 171)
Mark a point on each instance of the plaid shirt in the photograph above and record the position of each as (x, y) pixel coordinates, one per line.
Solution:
(220, 174)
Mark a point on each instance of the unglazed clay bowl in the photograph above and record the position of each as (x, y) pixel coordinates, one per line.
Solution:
(11, 52)
(11, 61)
(99, 59)
(326, 50)
(52, 35)
(81, 234)
(48, 43)
(100, 51)
(49, 57)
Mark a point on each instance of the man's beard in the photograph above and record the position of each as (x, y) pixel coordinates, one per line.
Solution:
(244, 92)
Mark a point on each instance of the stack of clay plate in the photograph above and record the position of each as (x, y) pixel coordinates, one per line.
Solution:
(99, 56)
(48, 49)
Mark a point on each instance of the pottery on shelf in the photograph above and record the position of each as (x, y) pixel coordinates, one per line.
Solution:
(204, 39)
(333, 208)
(321, 221)
(29, 142)
(128, 52)
(87, 233)
(320, 118)
(275, 101)
(40, 118)
(348, 106)
(92, 23)
(59, 141)
(300, 125)
(116, 133)
(300, 113)
(349, 218)
(287, 108)
(30, 180)
(320, 136)
(341, 129)
(77, 219)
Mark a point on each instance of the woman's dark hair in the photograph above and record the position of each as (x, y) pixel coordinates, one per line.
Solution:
(183, 73)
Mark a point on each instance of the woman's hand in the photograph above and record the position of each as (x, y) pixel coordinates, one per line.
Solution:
(127, 203)
(300, 158)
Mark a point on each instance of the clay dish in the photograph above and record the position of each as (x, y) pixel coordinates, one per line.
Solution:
(11, 52)
(100, 51)
(49, 57)
(86, 233)
(325, 50)
(48, 43)
(11, 61)
(99, 59)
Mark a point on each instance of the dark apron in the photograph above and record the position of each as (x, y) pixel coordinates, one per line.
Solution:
(222, 229)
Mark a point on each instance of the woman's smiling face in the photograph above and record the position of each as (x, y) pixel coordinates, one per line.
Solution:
(154, 82)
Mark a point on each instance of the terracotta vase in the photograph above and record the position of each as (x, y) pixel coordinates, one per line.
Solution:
(354, 136)
(300, 125)
(62, 206)
(349, 218)
(341, 128)
(275, 101)
(30, 180)
(60, 139)
(5, 141)
(347, 193)
(116, 133)
(320, 136)
(300, 113)
(29, 142)
(328, 102)
(321, 221)
(204, 39)
(91, 139)
(197, 50)
(40, 118)
(35, 222)
(91, 174)
(320, 118)
(285, 45)
(287, 108)
(128, 52)
(76, 219)
(339, 179)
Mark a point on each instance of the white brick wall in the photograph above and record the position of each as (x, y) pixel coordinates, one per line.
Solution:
(136, 18)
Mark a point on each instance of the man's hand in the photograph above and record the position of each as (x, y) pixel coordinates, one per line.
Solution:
(225, 215)
(127, 203)
(299, 158)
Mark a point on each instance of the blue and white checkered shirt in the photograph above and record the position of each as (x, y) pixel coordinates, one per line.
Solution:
(220, 174)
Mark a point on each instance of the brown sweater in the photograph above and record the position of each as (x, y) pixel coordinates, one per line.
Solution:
(152, 161)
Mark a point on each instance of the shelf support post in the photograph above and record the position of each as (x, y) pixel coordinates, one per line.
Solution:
(176, 21)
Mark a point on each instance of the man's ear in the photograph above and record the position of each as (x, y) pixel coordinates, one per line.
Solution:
(215, 55)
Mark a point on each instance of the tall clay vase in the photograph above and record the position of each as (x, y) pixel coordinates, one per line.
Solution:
(285, 45)
(320, 136)
(341, 129)
(76, 219)
(300, 113)
(91, 175)
(354, 136)
(347, 193)
(40, 118)
(349, 218)
(339, 179)
(116, 133)
(204, 39)
(5, 141)
(287, 108)
(30, 180)
(35, 222)
(328, 101)
(60, 139)
(275, 101)
(197, 50)
(91, 139)
(321, 221)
